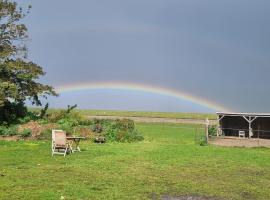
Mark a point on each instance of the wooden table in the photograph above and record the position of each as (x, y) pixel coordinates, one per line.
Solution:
(74, 141)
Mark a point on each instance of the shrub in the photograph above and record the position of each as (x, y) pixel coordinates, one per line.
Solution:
(97, 128)
(134, 136)
(111, 133)
(212, 131)
(125, 124)
(45, 134)
(203, 141)
(26, 132)
(84, 131)
(12, 130)
(122, 131)
(3, 130)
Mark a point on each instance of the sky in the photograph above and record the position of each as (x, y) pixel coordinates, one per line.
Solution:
(214, 50)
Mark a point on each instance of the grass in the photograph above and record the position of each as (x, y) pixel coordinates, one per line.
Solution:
(171, 115)
(166, 163)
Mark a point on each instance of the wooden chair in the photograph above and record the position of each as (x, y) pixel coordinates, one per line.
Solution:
(60, 144)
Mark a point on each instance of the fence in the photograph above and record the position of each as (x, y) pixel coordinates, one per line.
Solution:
(259, 134)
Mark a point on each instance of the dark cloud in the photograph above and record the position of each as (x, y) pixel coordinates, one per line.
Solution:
(219, 50)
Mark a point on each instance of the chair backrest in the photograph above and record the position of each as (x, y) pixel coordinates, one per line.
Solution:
(59, 137)
(242, 133)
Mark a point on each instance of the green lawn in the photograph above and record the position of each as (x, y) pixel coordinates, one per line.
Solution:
(166, 163)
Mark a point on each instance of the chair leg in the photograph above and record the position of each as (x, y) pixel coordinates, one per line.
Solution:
(65, 152)
(53, 150)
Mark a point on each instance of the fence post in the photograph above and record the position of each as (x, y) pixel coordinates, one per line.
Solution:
(206, 129)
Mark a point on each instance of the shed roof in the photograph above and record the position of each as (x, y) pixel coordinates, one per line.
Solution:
(244, 114)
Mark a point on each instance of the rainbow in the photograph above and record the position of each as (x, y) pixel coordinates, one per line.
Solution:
(141, 88)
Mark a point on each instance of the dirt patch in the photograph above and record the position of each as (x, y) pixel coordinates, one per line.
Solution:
(36, 128)
(10, 138)
(240, 142)
(187, 198)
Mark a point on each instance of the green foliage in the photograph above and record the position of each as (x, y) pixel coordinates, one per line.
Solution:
(125, 124)
(122, 131)
(18, 75)
(45, 135)
(212, 130)
(133, 136)
(30, 116)
(8, 131)
(2, 130)
(200, 137)
(44, 110)
(10, 112)
(55, 117)
(203, 141)
(97, 128)
(26, 133)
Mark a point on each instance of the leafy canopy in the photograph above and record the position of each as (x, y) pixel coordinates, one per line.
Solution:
(18, 75)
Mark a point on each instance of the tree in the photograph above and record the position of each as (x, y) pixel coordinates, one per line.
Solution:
(18, 75)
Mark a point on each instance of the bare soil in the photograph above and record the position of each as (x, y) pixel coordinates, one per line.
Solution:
(10, 138)
(187, 198)
(240, 142)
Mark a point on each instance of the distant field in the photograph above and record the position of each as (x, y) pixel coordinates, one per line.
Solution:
(171, 115)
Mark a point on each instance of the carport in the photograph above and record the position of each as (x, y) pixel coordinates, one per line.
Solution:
(247, 125)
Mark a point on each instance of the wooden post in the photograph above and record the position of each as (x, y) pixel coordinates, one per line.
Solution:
(219, 130)
(250, 120)
(206, 129)
(218, 125)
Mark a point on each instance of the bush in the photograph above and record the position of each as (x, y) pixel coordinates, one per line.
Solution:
(125, 124)
(97, 128)
(3, 130)
(212, 131)
(203, 141)
(134, 136)
(26, 132)
(45, 135)
(10, 131)
(122, 131)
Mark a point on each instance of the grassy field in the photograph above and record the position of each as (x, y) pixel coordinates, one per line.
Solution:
(171, 115)
(167, 163)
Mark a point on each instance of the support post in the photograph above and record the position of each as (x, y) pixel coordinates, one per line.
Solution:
(250, 120)
(250, 133)
(218, 124)
(206, 129)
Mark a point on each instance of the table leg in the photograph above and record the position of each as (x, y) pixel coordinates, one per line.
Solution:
(70, 146)
(77, 141)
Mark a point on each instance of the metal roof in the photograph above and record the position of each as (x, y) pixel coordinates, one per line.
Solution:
(244, 114)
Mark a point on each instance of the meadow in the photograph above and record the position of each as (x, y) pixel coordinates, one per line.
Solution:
(166, 163)
(170, 115)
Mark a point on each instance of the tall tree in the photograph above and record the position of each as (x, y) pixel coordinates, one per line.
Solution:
(18, 75)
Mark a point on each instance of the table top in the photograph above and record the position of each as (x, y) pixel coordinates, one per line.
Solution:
(75, 137)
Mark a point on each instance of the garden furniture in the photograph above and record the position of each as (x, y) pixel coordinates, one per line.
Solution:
(60, 144)
(74, 142)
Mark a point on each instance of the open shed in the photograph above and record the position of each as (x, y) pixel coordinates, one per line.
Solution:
(250, 125)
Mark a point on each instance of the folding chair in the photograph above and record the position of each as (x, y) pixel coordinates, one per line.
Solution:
(60, 144)
(242, 134)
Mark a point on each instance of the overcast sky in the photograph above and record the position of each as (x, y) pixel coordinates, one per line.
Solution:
(218, 50)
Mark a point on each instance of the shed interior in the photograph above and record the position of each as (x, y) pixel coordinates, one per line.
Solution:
(259, 125)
